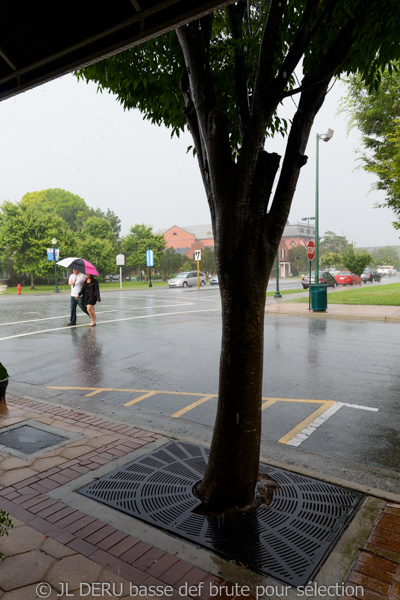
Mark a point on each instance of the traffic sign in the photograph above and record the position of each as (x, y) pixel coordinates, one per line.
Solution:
(311, 249)
(197, 255)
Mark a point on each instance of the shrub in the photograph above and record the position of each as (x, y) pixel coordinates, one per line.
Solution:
(5, 525)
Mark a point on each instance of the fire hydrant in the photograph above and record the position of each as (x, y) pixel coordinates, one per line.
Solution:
(19, 288)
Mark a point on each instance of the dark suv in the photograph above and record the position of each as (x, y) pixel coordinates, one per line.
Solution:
(324, 277)
(370, 275)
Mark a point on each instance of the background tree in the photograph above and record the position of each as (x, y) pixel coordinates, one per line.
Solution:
(298, 260)
(135, 245)
(331, 260)
(226, 76)
(170, 262)
(207, 263)
(70, 207)
(26, 232)
(375, 112)
(330, 242)
(385, 256)
(355, 262)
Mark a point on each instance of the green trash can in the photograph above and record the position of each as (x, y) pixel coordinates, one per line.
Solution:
(319, 297)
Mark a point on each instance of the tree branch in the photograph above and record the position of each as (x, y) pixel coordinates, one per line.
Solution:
(211, 131)
(236, 13)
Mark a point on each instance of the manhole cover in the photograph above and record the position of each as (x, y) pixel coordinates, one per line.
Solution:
(28, 439)
(287, 540)
(31, 438)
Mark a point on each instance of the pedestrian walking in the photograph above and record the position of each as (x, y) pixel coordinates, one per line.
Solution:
(76, 281)
(90, 293)
(3, 383)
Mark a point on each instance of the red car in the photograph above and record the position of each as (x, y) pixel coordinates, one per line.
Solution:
(346, 278)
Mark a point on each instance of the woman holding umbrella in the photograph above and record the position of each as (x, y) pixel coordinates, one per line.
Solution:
(91, 294)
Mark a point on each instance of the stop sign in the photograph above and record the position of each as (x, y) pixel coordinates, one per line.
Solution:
(310, 249)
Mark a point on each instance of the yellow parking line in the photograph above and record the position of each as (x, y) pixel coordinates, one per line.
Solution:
(306, 422)
(191, 406)
(96, 391)
(136, 400)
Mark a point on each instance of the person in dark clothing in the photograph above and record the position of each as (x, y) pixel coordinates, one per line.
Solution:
(3, 383)
(91, 294)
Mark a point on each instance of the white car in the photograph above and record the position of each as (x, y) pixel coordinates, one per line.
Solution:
(187, 279)
(387, 270)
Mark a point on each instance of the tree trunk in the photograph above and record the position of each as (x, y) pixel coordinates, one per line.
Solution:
(244, 261)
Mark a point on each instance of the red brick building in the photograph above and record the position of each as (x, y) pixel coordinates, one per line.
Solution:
(186, 240)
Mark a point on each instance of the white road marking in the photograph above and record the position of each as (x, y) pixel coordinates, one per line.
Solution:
(50, 318)
(322, 419)
(183, 312)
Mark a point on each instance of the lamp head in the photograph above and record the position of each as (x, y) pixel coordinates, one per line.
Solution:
(327, 136)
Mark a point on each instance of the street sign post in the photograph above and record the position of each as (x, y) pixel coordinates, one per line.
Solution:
(310, 253)
(150, 263)
(120, 263)
(197, 257)
(310, 249)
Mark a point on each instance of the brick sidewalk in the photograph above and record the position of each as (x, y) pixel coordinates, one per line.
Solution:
(54, 542)
(377, 568)
(24, 493)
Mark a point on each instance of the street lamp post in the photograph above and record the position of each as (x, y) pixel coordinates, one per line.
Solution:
(325, 137)
(277, 292)
(308, 219)
(54, 242)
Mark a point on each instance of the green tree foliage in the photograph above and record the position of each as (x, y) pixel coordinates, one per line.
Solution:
(27, 228)
(331, 259)
(69, 207)
(5, 525)
(298, 260)
(225, 77)
(170, 263)
(355, 262)
(26, 231)
(385, 256)
(375, 112)
(207, 263)
(331, 242)
(135, 245)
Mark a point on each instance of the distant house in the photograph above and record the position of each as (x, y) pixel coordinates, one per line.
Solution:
(186, 240)
(293, 235)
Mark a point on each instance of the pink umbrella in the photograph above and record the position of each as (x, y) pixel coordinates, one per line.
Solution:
(79, 264)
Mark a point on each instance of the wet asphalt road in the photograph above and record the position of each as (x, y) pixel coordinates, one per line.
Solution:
(331, 387)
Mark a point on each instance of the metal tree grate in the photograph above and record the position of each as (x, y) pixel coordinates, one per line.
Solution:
(287, 540)
(28, 439)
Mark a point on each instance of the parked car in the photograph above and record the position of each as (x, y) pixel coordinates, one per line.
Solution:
(111, 278)
(187, 279)
(370, 275)
(387, 270)
(324, 277)
(214, 280)
(346, 278)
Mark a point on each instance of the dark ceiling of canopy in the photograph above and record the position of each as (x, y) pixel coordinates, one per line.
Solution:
(42, 40)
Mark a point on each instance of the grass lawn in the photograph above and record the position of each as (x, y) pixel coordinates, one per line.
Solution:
(384, 295)
(285, 292)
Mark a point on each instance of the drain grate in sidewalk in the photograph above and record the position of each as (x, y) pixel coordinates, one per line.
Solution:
(31, 438)
(287, 540)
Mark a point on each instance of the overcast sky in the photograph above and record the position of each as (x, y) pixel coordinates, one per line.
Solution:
(65, 135)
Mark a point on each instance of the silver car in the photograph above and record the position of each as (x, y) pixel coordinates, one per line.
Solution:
(187, 279)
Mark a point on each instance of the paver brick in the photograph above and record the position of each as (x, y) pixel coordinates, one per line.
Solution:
(112, 540)
(123, 546)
